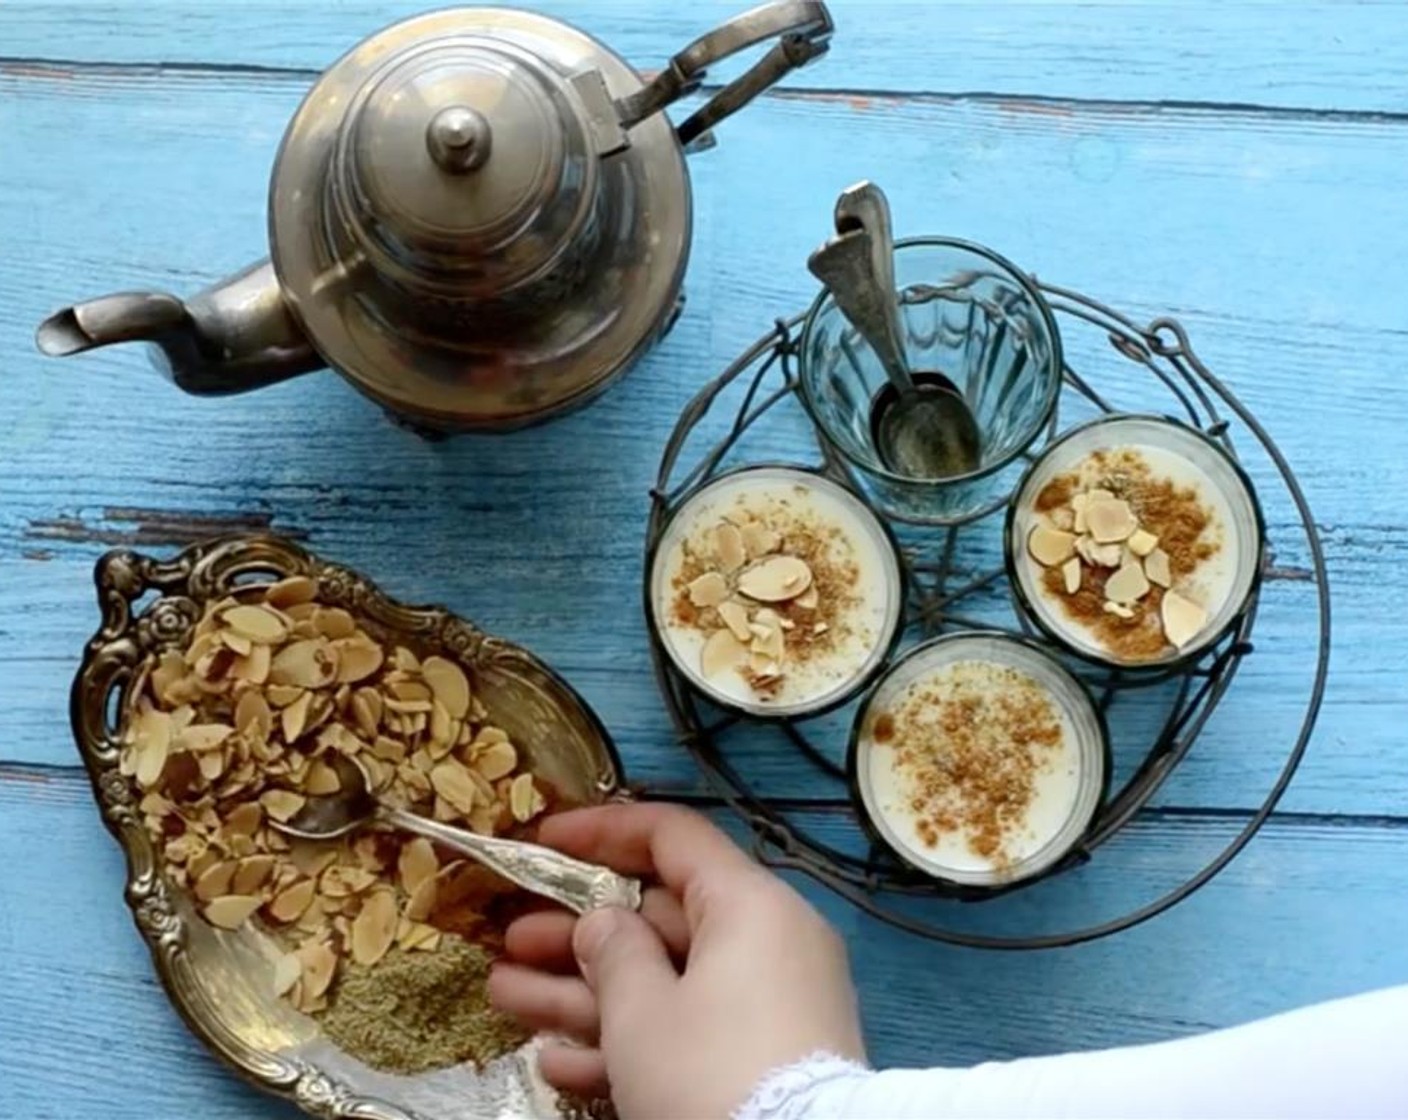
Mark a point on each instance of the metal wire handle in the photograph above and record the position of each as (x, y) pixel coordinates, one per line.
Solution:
(805, 29)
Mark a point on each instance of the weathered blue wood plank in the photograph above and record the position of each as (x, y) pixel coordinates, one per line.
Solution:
(553, 560)
(1301, 916)
(1317, 55)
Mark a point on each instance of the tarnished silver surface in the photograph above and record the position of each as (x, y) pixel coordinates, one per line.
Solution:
(221, 981)
(479, 216)
(576, 884)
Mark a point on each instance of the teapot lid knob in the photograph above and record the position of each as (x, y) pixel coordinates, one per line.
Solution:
(461, 164)
(459, 139)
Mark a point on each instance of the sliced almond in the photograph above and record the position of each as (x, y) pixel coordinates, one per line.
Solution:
(310, 663)
(212, 764)
(418, 935)
(291, 591)
(258, 624)
(1050, 547)
(497, 761)
(722, 652)
(230, 911)
(1157, 568)
(374, 929)
(1110, 521)
(763, 667)
(1118, 609)
(1142, 542)
(357, 659)
(151, 761)
(245, 819)
(334, 622)
(759, 540)
(416, 863)
(202, 737)
(808, 600)
(236, 642)
(251, 874)
(321, 779)
(319, 964)
(728, 547)
(1099, 555)
(776, 579)
(342, 881)
(735, 616)
(282, 695)
(422, 900)
(523, 798)
(1071, 573)
(768, 641)
(1128, 585)
(252, 715)
(292, 902)
(1182, 618)
(288, 970)
(490, 735)
(215, 881)
(452, 782)
(366, 708)
(708, 590)
(442, 727)
(294, 718)
(281, 804)
(449, 685)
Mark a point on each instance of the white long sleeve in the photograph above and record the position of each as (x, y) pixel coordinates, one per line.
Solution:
(1344, 1060)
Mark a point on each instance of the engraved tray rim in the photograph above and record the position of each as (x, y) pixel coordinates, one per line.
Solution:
(131, 630)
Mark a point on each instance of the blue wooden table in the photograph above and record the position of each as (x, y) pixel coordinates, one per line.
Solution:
(1238, 165)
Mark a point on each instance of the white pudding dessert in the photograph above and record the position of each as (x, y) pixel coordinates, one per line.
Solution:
(979, 760)
(1134, 541)
(775, 591)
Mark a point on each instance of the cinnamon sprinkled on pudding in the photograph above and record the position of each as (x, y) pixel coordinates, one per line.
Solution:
(968, 746)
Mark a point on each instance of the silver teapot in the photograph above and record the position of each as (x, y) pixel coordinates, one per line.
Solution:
(479, 216)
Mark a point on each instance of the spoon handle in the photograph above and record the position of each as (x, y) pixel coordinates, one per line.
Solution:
(576, 884)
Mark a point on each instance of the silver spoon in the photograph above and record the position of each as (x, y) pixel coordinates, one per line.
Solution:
(577, 885)
(921, 423)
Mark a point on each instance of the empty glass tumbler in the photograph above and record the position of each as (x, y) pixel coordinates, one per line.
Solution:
(967, 314)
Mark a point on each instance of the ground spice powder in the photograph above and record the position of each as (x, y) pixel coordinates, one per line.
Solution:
(417, 1011)
(969, 745)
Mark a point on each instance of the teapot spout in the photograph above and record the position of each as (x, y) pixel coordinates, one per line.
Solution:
(235, 336)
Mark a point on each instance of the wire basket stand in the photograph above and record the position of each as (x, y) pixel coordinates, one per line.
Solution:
(939, 597)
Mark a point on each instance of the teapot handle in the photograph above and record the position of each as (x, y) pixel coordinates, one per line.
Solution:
(804, 27)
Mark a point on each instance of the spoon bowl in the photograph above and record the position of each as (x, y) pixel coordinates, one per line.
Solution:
(576, 884)
(926, 429)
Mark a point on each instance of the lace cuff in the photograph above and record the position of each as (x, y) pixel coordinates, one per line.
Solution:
(788, 1092)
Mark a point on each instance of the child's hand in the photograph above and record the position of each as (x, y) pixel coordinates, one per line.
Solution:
(758, 979)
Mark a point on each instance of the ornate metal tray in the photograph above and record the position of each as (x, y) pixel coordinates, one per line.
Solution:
(219, 981)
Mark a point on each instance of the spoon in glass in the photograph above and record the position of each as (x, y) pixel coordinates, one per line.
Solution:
(922, 425)
(576, 884)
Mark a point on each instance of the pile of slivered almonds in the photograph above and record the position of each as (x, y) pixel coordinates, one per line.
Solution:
(238, 730)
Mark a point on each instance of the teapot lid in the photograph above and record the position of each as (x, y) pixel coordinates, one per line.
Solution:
(462, 163)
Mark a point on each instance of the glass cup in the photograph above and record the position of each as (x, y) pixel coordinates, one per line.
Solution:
(975, 318)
